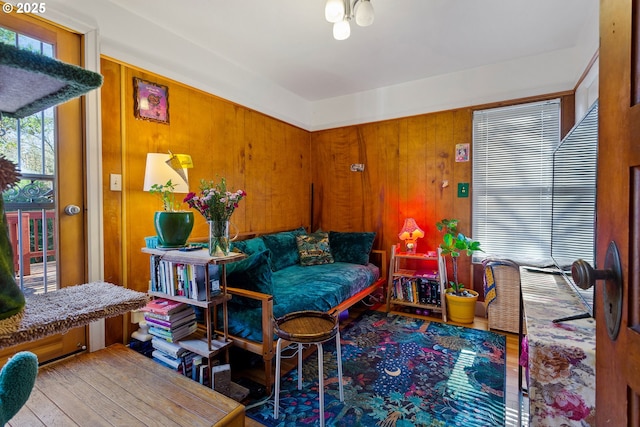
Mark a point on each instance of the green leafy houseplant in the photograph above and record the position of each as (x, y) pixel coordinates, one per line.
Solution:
(166, 194)
(453, 244)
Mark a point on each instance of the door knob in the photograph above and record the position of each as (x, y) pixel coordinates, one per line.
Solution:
(585, 277)
(72, 210)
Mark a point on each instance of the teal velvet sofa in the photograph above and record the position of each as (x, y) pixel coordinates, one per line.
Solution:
(293, 271)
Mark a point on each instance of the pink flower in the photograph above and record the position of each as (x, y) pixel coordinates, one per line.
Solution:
(215, 203)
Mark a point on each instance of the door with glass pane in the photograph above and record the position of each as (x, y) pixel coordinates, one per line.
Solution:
(46, 231)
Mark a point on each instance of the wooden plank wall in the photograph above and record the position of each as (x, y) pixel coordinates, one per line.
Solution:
(408, 163)
(265, 157)
(410, 171)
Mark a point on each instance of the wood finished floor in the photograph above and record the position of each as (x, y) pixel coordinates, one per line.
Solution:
(256, 373)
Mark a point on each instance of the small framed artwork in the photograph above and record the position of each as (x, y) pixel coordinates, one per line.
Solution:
(151, 101)
(462, 152)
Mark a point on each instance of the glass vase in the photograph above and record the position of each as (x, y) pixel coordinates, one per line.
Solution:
(219, 242)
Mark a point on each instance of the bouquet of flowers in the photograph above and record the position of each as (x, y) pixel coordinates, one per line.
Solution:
(215, 203)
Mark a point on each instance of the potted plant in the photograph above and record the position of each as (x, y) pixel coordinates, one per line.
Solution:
(461, 302)
(173, 226)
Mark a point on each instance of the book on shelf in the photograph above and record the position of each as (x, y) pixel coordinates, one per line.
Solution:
(184, 280)
(198, 361)
(428, 274)
(186, 312)
(174, 336)
(417, 290)
(173, 363)
(169, 348)
(163, 306)
(171, 325)
(182, 364)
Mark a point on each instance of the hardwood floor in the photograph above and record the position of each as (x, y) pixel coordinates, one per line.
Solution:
(255, 372)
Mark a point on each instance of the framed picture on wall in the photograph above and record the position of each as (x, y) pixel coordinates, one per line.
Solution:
(151, 101)
(462, 152)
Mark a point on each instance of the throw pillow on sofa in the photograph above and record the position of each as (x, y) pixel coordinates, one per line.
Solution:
(351, 247)
(283, 247)
(250, 246)
(314, 249)
(253, 274)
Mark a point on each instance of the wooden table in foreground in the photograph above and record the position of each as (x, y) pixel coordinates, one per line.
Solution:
(117, 386)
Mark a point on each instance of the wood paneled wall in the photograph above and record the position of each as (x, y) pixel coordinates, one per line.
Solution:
(410, 170)
(265, 157)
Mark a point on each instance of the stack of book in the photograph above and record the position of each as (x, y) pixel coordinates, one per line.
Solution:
(174, 357)
(170, 320)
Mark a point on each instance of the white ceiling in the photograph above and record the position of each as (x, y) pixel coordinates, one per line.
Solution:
(289, 45)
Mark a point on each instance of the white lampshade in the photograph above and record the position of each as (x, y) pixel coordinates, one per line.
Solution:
(159, 170)
(334, 10)
(341, 30)
(364, 13)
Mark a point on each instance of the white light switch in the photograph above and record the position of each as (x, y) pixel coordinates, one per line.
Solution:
(116, 182)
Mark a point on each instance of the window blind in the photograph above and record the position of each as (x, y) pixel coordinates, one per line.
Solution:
(512, 179)
(574, 193)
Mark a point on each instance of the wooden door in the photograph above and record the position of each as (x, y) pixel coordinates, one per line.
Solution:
(618, 210)
(67, 178)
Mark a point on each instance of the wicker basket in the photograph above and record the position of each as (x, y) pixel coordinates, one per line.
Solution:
(504, 311)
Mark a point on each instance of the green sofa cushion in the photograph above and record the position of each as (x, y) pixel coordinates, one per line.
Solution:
(249, 247)
(351, 247)
(316, 287)
(252, 273)
(283, 247)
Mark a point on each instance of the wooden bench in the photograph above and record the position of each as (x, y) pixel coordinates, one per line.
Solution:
(117, 386)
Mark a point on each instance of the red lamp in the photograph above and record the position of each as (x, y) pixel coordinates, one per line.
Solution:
(410, 233)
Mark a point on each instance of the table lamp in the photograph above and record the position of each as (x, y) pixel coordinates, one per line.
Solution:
(162, 167)
(410, 233)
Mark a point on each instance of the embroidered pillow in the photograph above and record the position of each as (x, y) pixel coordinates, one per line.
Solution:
(283, 247)
(252, 273)
(314, 249)
(351, 247)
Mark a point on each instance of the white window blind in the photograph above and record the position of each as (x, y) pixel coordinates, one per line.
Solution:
(512, 179)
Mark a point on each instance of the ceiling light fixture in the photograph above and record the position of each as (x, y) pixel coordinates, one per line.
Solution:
(340, 12)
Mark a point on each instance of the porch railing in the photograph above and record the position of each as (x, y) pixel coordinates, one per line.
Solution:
(35, 237)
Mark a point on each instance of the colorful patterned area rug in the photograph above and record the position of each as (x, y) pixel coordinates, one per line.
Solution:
(399, 372)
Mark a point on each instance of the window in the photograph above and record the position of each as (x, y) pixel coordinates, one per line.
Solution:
(512, 179)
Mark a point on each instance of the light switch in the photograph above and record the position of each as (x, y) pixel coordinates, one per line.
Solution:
(463, 189)
(116, 182)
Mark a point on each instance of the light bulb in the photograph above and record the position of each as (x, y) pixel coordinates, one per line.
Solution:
(364, 13)
(334, 10)
(341, 30)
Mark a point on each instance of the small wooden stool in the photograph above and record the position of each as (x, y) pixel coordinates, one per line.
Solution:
(308, 327)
